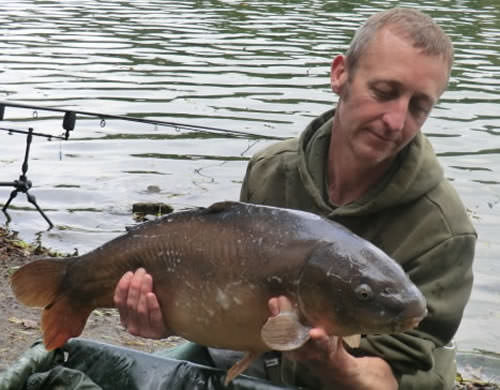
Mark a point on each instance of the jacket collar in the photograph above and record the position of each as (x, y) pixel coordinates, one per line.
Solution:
(415, 172)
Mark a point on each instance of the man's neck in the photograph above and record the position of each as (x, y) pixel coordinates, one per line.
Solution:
(349, 178)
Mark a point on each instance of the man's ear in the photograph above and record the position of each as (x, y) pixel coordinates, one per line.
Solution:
(338, 74)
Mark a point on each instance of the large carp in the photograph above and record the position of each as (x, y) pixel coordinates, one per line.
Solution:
(215, 269)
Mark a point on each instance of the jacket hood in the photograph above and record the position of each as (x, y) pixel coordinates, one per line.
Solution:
(414, 173)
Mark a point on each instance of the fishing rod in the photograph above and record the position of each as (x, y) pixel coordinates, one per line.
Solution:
(49, 136)
(23, 185)
(70, 119)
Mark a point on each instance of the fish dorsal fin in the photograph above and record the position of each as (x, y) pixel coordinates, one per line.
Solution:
(223, 205)
(352, 341)
(284, 332)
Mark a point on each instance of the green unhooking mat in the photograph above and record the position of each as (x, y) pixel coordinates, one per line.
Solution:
(88, 365)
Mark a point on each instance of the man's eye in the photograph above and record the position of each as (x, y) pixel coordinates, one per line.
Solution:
(383, 94)
(419, 109)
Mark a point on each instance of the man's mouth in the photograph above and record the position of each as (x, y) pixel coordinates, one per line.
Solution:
(381, 137)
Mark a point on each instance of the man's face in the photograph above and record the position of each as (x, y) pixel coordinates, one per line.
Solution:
(386, 100)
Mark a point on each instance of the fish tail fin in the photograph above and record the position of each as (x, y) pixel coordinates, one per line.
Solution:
(41, 284)
(38, 283)
(61, 320)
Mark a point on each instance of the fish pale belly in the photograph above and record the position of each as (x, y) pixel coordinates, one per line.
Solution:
(229, 318)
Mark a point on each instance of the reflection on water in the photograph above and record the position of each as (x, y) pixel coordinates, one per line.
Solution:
(253, 66)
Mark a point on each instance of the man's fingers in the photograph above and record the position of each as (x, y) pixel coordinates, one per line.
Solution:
(121, 294)
(155, 317)
(318, 348)
(141, 311)
(135, 288)
(136, 304)
(323, 343)
(121, 290)
(285, 304)
(279, 304)
(319, 335)
(139, 308)
(274, 306)
(142, 303)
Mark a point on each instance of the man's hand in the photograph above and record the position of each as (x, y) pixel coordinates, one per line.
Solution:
(139, 309)
(327, 359)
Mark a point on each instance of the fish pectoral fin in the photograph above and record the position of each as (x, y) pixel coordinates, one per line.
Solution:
(240, 366)
(352, 341)
(284, 332)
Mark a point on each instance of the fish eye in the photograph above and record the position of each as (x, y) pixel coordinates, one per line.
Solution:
(363, 292)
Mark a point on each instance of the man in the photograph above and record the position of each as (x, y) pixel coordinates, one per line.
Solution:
(367, 165)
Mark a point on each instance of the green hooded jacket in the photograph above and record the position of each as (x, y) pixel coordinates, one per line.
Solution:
(413, 214)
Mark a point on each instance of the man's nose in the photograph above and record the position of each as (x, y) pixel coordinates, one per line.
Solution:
(396, 114)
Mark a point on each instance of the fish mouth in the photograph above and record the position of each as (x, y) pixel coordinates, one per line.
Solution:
(414, 312)
(411, 323)
(408, 323)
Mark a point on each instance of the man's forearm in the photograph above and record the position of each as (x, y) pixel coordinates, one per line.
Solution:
(368, 373)
(376, 374)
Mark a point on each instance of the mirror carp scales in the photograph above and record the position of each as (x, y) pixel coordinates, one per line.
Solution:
(214, 271)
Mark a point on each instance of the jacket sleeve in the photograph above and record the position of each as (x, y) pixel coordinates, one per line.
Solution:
(444, 275)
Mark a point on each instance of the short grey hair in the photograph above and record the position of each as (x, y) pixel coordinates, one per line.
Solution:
(419, 28)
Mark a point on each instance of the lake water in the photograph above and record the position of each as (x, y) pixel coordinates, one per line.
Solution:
(252, 66)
